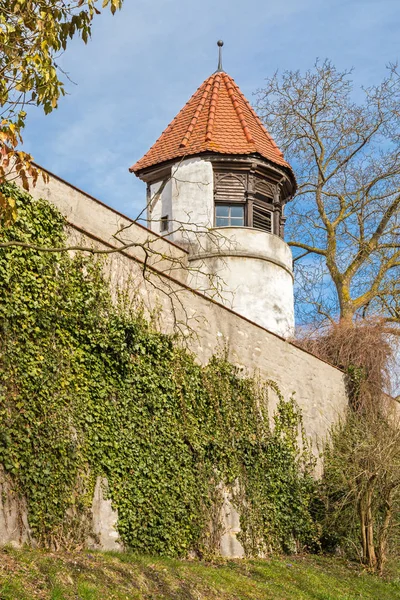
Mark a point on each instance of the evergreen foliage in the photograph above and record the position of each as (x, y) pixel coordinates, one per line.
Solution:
(89, 388)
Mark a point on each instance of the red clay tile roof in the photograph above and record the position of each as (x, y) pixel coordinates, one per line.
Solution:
(217, 118)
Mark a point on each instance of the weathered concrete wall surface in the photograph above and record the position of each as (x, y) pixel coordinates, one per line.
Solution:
(14, 527)
(111, 227)
(255, 269)
(193, 194)
(187, 198)
(230, 521)
(208, 326)
(105, 518)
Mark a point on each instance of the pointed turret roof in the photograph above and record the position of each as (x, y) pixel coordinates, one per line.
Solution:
(217, 118)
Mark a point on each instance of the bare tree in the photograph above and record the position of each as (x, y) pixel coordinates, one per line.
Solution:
(362, 486)
(344, 224)
(361, 481)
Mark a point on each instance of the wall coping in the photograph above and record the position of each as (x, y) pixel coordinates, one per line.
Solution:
(110, 208)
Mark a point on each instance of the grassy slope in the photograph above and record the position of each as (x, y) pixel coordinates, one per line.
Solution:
(29, 574)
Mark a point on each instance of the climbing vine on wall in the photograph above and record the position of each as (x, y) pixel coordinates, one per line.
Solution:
(89, 388)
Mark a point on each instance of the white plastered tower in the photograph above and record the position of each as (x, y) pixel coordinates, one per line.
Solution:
(217, 184)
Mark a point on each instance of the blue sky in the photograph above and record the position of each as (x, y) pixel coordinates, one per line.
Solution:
(143, 64)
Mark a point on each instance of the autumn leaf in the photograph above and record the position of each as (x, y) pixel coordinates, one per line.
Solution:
(31, 35)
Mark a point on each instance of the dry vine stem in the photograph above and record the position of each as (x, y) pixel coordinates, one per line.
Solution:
(365, 350)
(162, 268)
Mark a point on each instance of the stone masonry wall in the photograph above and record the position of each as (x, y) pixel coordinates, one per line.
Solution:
(208, 326)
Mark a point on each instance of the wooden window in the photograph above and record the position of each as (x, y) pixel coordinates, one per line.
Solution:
(164, 223)
(229, 188)
(229, 215)
(264, 190)
(262, 218)
(245, 201)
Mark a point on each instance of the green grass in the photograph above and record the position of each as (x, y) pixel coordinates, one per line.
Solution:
(32, 574)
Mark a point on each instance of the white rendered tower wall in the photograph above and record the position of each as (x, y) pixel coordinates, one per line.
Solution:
(246, 269)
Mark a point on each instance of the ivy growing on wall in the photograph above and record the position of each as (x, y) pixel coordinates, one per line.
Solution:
(89, 388)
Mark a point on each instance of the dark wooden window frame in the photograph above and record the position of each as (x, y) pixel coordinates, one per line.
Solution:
(164, 224)
(249, 212)
(231, 203)
(263, 209)
(253, 190)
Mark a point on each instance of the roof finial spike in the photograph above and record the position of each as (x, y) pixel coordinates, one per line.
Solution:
(220, 43)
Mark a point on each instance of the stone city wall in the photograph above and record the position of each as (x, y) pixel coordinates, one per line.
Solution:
(207, 325)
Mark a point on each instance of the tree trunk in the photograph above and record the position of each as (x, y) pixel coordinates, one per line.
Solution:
(346, 313)
(383, 537)
(367, 531)
(362, 525)
(346, 306)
